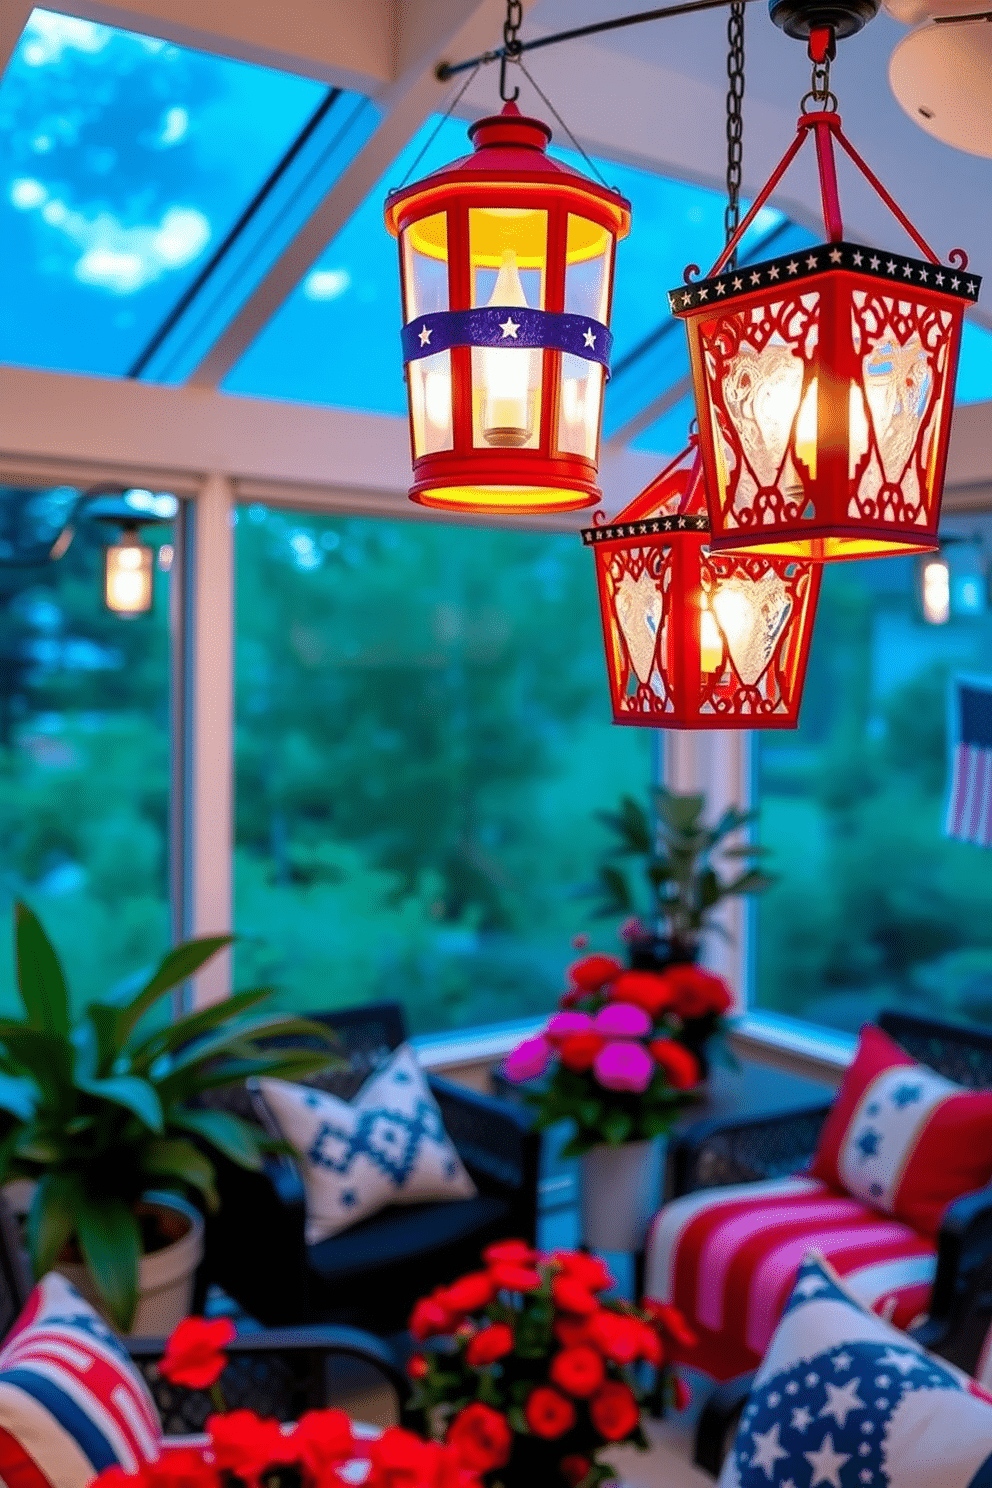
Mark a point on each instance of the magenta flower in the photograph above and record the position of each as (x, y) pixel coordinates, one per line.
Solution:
(528, 1060)
(562, 1025)
(624, 1066)
(622, 1020)
(632, 929)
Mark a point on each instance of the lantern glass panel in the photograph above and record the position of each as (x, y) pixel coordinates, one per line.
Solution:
(508, 248)
(588, 261)
(506, 397)
(128, 578)
(430, 403)
(425, 266)
(580, 407)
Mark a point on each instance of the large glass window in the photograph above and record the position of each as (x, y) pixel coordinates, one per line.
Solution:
(874, 904)
(423, 740)
(84, 748)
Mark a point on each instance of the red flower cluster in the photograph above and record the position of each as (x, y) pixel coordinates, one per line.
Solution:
(194, 1355)
(245, 1449)
(563, 1372)
(683, 990)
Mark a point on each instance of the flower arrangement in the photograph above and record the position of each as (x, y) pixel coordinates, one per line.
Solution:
(618, 1050)
(529, 1373)
(244, 1450)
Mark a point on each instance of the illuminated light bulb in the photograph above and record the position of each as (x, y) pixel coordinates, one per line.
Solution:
(510, 376)
(735, 612)
(936, 591)
(128, 586)
(806, 430)
(710, 640)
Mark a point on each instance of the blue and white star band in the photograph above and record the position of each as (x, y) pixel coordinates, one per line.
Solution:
(500, 325)
(777, 273)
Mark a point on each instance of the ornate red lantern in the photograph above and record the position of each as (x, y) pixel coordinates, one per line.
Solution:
(506, 261)
(697, 639)
(824, 380)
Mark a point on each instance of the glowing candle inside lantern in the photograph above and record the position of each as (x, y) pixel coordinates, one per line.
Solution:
(510, 375)
(128, 578)
(710, 640)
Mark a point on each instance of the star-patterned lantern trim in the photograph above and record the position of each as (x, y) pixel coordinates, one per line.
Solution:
(793, 268)
(492, 325)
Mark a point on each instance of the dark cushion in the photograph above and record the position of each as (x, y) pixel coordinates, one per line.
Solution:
(401, 1233)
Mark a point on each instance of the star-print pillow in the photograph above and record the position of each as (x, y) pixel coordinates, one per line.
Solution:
(387, 1146)
(902, 1138)
(843, 1400)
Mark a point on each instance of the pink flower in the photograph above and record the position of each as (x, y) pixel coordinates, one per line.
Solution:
(631, 929)
(622, 1020)
(528, 1060)
(624, 1066)
(580, 942)
(562, 1025)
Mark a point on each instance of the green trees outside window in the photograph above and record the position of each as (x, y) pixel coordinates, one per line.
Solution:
(873, 906)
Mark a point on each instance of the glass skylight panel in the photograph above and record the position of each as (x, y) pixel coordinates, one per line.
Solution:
(125, 161)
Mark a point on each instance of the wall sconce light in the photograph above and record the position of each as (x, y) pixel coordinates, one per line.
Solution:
(129, 563)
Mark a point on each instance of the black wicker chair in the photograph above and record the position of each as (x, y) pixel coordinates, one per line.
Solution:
(278, 1373)
(750, 1149)
(371, 1274)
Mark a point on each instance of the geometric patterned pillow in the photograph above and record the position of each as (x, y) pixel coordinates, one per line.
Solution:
(844, 1400)
(387, 1146)
(903, 1139)
(71, 1401)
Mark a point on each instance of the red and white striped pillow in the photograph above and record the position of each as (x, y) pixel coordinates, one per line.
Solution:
(71, 1401)
(902, 1138)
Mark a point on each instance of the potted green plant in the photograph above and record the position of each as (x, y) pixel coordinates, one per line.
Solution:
(104, 1106)
(682, 883)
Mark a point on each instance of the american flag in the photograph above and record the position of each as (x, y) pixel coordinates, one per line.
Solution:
(969, 809)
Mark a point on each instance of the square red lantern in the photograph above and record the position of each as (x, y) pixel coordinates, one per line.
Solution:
(506, 261)
(824, 384)
(697, 639)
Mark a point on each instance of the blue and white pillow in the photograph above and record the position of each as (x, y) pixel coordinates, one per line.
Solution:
(387, 1146)
(844, 1400)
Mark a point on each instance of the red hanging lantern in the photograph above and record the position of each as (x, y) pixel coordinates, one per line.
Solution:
(697, 639)
(824, 380)
(506, 261)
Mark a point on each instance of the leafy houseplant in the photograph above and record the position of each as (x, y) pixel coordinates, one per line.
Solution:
(529, 1373)
(103, 1106)
(612, 1060)
(682, 886)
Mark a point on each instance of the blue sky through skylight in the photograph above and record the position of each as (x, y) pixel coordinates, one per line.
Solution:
(125, 160)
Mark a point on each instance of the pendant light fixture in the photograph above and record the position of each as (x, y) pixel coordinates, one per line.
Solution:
(129, 563)
(824, 379)
(696, 639)
(506, 263)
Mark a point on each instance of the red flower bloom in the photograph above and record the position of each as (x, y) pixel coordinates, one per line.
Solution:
(322, 1439)
(430, 1317)
(548, 1413)
(570, 1330)
(194, 1355)
(399, 1459)
(468, 1293)
(588, 1270)
(617, 1335)
(670, 1321)
(245, 1444)
(614, 1411)
(573, 1296)
(179, 1467)
(488, 1345)
(650, 990)
(697, 992)
(574, 1468)
(517, 1252)
(480, 1437)
(651, 1349)
(679, 1063)
(579, 1050)
(515, 1278)
(578, 1371)
(594, 972)
(417, 1367)
(116, 1477)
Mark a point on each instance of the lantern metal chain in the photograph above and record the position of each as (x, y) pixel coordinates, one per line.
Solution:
(512, 47)
(735, 119)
